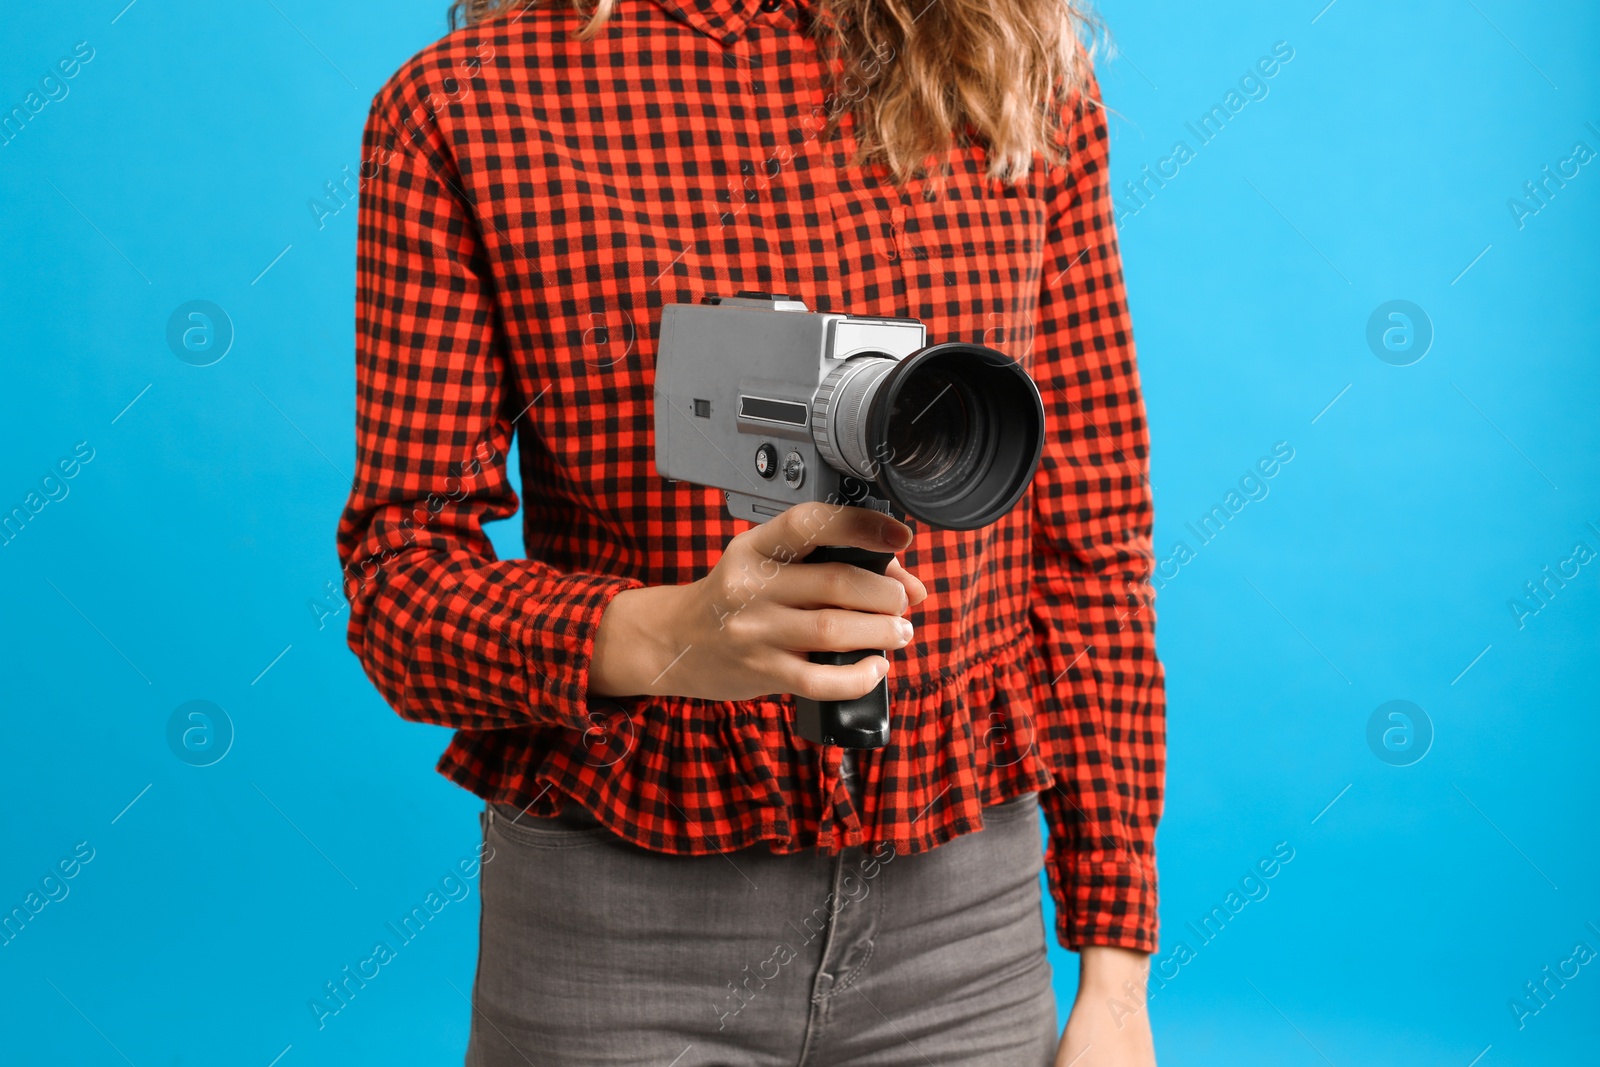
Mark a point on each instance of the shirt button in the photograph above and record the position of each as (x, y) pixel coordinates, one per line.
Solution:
(770, 6)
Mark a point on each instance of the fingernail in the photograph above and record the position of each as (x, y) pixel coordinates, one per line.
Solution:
(895, 535)
(905, 628)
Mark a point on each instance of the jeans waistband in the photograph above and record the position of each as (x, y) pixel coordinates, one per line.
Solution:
(575, 815)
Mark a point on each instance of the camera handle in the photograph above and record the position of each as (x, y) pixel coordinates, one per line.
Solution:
(864, 721)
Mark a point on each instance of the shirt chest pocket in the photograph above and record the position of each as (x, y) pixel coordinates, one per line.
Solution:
(966, 264)
(970, 261)
(864, 276)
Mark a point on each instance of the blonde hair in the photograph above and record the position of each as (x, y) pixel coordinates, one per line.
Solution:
(923, 75)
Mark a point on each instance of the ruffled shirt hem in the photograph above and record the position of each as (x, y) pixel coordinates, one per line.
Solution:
(958, 743)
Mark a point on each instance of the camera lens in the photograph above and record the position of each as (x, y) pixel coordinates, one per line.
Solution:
(930, 421)
(951, 434)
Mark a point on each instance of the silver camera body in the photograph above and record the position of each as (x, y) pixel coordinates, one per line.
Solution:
(748, 398)
(777, 405)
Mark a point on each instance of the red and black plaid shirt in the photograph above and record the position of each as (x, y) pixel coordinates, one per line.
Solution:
(529, 203)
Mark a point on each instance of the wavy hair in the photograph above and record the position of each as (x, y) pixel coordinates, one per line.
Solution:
(921, 76)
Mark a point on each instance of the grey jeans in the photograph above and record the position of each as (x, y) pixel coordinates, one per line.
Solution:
(595, 952)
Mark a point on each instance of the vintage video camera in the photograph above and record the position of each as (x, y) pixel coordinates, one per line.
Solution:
(777, 405)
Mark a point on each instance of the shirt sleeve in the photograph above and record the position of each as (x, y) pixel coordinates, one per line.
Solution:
(447, 632)
(1100, 689)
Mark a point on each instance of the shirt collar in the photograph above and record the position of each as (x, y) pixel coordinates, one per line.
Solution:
(722, 20)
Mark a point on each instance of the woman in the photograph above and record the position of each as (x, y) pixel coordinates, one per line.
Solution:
(672, 875)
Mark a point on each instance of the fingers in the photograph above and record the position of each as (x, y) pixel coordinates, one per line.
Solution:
(833, 630)
(785, 613)
(916, 592)
(803, 527)
(838, 585)
(823, 682)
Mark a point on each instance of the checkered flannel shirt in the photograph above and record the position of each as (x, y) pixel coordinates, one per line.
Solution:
(528, 204)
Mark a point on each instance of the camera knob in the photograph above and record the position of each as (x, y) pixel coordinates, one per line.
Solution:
(794, 470)
(767, 460)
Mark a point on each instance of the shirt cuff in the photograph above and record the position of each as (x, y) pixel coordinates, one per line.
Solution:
(1103, 901)
(558, 638)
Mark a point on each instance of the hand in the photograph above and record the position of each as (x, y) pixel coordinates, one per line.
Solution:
(746, 629)
(1109, 1026)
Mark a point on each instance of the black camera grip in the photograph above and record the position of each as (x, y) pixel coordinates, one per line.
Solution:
(864, 721)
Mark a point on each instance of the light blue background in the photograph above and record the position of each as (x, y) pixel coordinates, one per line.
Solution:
(186, 558)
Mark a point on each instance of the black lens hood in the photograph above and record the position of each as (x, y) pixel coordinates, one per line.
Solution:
(1013, 416)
